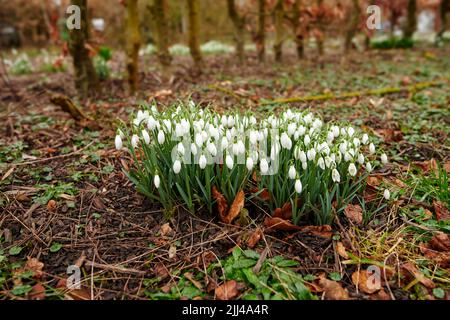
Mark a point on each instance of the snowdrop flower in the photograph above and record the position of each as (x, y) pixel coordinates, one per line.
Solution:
(335, 131)
(179, 132)
(361, 158)
(330, 136)
(229, 162)
(317, 124)
(212, 149)
(161, 137)
(384, 158)
(134, 141)
(235, 149)
(202, 162)
(371, 148)
(350, 131)
(343, 147)
(321, 163)
(292, 173)
(387, 194)
(241, 147)
(356, 142)
(249, 164)
(230, 121)
(118, 142)
(369, 167)
(335, 176)
(291, 128)
(307, 140)
(328, 161)
(301, 130)
(347, 156)
(156, 181)
(199, 139)
(224, 143)
(311, 154)
(177, 166)
(298, 186)
(286, 142)
(304, 165)
(168, 125)
(253, 137)
(194, 149)
(180, 148)
(365, 138)
(146, 136)
(151, 123)
(204, 135)
(264, 166)
(352, 169)
(302, 156)
(213, 132)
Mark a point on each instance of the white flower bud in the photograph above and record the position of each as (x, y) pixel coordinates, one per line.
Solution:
(361, 158)
(352, 169)
(384, 158)
(118, 142)
(156, 181)
(298, 186)
(134, 141)
(286, 142)
(365, 138)
(202, 162)
(229, 162)
(161, 137)
(387, 194)
(335, 176)
(371, 148)
(249, 164)
(292, 173)
(177, 166)
(264, 166)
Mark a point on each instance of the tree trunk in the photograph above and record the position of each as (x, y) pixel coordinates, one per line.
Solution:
(194, 31)
(411, 23)
(238, 23)
(279, 32)
(86, 80)
(353, 25)
(158, 11)
(261, 35)
(133, 42)
(319, 36)
(443, 15)
(299, 36)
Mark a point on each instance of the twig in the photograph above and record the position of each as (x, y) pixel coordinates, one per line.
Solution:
(113, 268)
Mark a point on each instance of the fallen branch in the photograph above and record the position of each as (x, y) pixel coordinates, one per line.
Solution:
(113, 268)
(347, 95)
(68, 106)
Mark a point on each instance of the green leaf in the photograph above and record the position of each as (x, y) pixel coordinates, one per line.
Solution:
(14, 251)
(243, 263)
(439, 293)
(287, 263)
(55, 247)
(335, 276)
(190, 292)
(251, 254)
(21, 290)
(309, 277)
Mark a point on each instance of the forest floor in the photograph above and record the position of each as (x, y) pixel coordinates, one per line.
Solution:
(65, 201)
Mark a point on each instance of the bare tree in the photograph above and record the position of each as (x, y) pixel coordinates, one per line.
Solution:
(355, 17)
(133, 43)
(278, 15)
(239, 28)
(159, 15)
(411, 22)
(86, 79)
(194, 31)
(261, 34)
(443, 10)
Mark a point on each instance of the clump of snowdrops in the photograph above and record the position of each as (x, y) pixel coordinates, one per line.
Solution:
(182, 153)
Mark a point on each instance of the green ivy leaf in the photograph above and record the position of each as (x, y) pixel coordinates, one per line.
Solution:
(55, 247)
(335, 276)
(21, 290)
(439, 293)
(14, 251)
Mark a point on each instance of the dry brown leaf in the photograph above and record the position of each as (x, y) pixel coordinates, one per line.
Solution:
(51, 205)
(161, 271)
(340, 249)
(222, 205)
(73, 294)
(285, 212)
(354, 213)
(333, 290)
(227, 291)
(166, 230)
(235, 208)
(35, 266)
(190, 277)
(390, 135)
(254, 238)
(442, 213)
(280, 224)
(374, 181)
(418, 275)
(440, 242)
(362, 280)
(37, 292)
(324, 231)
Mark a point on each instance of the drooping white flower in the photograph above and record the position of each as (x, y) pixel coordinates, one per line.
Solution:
(343, 147)
(151, 123)
(335, 131)
(264, 166)
(146, 136)
(134, 141)
(298, 186)
(292, 172)
(335, 176)
(241, 147)
(224, 143)
(356, 142)
(229, 161)
(212, 149)
(352, 169)
(292, 127)
(177, 166)
(249, 163)
(321, 163)
(118, 142)
(194, 149)
(286, 142)
(307, 140)
(253, 135)
(311, 153)
(156, 181)
(350, 131)
(328, 161)
(361, 158)
(347, 156)
(202, 162)
(302, 156)
(387, 194)
(371, 148)
(365, 138)
(304, 165)
(384, 158)
(180, 148)
(301, 130)
(369, 167)
(199, 139)
(161, 137)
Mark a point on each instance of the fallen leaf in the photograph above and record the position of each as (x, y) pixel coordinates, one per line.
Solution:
(172, 252)
(376, 102)
(222, 205)
(354, 213)
(37, 292)
(442, 213)
(51, 205)
(73, 294)
(227, 291)
(8, 173)
(340, 249)
(254, 238)
(324, 231)
(381, 295)
(285, 212)
(35, 266)
(390, 135)
(235, 208)
(364, 282)
(374, 181)
(160, 270)
(22, 197)
(440, 242)
(418, 275)
(333, 290)
(280, 224)
(98, 204)
(166, 229)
